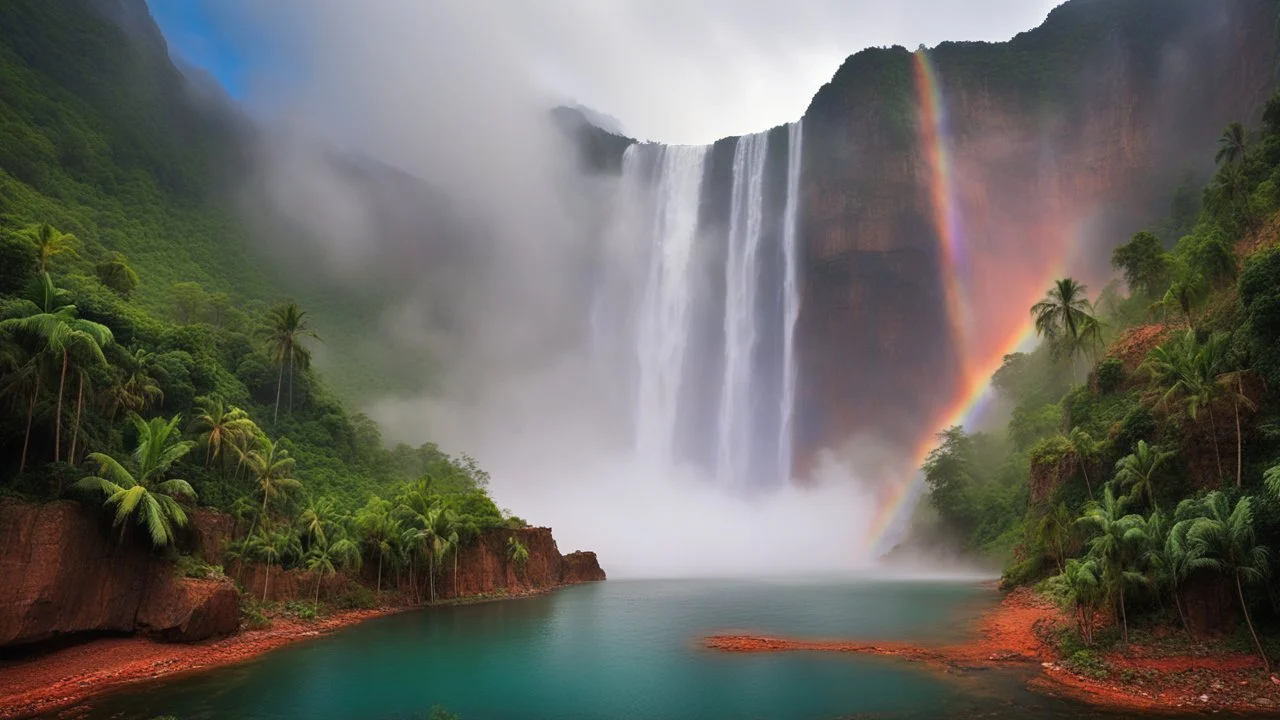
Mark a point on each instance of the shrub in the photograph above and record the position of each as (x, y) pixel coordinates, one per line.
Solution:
(1109, 375)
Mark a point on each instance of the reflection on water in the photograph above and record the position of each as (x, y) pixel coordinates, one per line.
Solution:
(620, 649)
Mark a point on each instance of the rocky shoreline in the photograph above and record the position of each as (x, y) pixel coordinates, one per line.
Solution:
(70, 676)
(1012, 635)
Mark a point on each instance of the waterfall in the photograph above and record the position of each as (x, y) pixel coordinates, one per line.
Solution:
(696, 303)
(790, 297)
(667, 306)
(742, 270)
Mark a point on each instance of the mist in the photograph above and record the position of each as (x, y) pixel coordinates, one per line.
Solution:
(504, 230)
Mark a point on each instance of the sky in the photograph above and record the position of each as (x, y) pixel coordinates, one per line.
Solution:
(676, 71)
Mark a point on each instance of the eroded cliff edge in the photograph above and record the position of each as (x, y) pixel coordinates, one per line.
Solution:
(66, 573)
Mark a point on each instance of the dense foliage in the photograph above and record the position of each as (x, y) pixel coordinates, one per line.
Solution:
(1160, 471)
(147, 360)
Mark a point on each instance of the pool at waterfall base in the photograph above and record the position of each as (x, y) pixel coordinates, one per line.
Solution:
(620, 649)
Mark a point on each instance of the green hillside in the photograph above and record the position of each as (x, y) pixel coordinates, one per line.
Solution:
(128, 289)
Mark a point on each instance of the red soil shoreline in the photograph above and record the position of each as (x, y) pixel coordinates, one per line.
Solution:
(70, 676)
(1010, 635)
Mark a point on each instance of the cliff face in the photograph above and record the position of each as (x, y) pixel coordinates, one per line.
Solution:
(64, 573)
(1051, 149)
(483, 568)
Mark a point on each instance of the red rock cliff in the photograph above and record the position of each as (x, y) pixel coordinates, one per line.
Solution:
(1050, 149)
(483, 568)
(64, 573)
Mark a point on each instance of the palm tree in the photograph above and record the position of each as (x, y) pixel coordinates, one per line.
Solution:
(1187, 291)
(144, 494)
(442, 537)
(319, 520)
(324, 559)
(217, 424)
(1065, 318)
(1086, 450)
(55, 325)
(50, 242)
(1231, 383)
(1137, 470)
(379, 530)
(273, 548)
(1183, 557)
(285, 328)
(23, 374)
(1231, 145)
(133, 388)
(1224, 537)
(1190, 372)
(1081, 581)
(271, 465)
(1054, 532)
(1112, 547)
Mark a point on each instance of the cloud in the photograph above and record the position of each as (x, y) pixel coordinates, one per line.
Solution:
(679, 71)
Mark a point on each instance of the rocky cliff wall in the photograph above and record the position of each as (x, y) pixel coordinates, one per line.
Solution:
(63, 572)
(483, 568)
(1057, 146)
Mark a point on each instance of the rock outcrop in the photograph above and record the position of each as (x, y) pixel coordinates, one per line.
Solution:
(582, 566)
(486, 567)
(64, 573)
(1051, 149)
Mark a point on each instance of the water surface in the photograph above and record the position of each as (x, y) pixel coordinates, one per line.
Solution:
(619, 649)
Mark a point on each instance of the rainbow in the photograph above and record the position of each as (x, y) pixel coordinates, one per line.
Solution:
(943, 199)
(977, 365)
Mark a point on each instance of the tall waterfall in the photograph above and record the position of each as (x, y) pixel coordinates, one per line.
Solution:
(667, 307)
(741, 318)
(697, 302)
(790, 297)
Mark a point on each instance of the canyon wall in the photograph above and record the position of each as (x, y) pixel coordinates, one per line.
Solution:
(65, 572)
(1049, 150)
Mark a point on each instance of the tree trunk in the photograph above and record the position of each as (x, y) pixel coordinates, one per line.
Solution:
(31, 409)
(290, 384)
(275, 416)
(57, 420)
(1124, 618)
(315, 606)
(431, 577)
(266, 583)
(456, 592)
(75, 433)
(1181, 615)
(1261, 653)
(1217, 454)
(379, 571)
(1085, 470)
(1239, 438)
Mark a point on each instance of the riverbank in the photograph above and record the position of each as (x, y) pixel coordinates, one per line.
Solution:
(1015, 634)
(70, 676)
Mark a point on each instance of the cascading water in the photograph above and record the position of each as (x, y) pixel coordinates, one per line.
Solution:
(790, 297)
(741, 319)
(667, 308)
(697, 303)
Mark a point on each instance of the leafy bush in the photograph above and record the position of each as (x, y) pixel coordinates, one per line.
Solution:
(1110, 375)
(194, 567)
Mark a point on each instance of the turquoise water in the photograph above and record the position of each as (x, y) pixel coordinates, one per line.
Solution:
(619, 649)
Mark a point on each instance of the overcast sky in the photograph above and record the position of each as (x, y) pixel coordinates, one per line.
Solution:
(683, 71)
